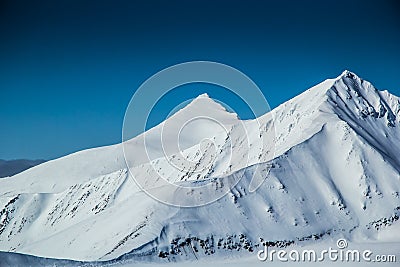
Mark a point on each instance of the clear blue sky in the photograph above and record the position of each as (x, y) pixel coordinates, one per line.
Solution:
(69, 68)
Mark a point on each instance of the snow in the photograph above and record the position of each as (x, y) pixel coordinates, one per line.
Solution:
(12, 259)
(325, 165)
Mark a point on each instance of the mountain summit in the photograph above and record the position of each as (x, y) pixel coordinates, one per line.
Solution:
(334, 172)
(204, 105)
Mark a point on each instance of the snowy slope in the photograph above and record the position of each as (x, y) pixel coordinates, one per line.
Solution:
(334, 171)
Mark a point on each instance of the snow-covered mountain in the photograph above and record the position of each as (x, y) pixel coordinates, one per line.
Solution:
(333, 170)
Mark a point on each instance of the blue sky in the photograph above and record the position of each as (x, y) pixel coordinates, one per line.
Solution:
(69, 68)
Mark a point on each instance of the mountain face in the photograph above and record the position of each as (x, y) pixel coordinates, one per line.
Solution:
(12, 167)
(333, 170)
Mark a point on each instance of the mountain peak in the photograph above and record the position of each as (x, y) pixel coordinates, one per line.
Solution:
(205, 106)
(355, 97)
(204, 95)
(205, 102)
(348, 74)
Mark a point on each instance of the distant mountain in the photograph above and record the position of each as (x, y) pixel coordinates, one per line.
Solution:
(334, 172)
(12, 167)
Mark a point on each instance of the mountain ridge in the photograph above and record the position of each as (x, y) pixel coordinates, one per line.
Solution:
(334, 158)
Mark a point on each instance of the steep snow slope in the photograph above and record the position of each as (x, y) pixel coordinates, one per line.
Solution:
(333, 172)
